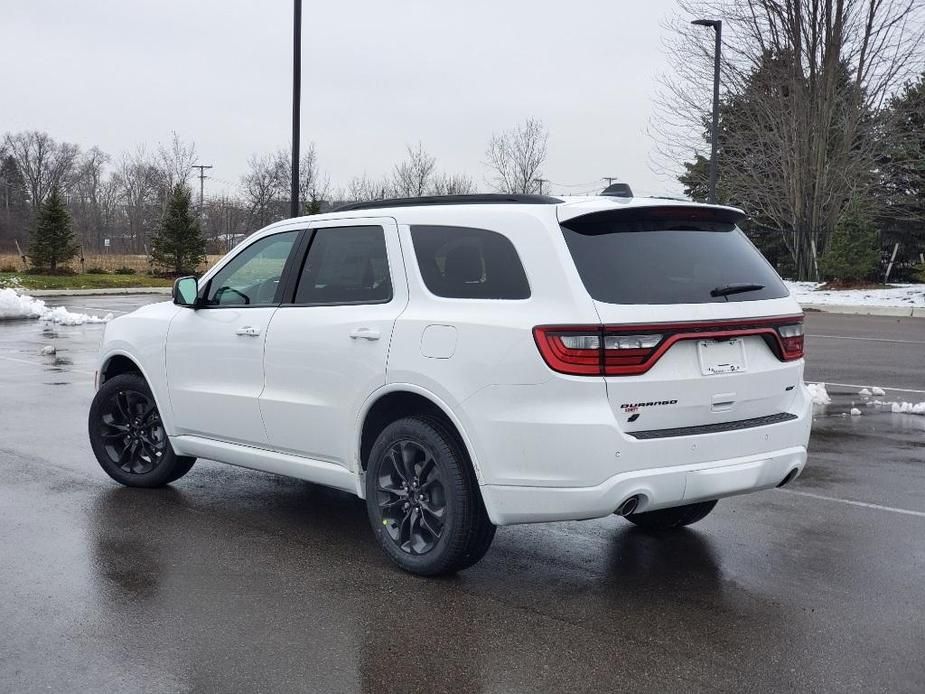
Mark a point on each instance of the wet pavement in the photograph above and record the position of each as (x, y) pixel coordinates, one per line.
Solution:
(239, 581)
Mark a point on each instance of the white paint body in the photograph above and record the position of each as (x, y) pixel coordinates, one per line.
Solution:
(292, 398)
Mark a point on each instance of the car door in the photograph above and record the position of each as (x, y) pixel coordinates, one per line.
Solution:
(326, 351)
(215, 351)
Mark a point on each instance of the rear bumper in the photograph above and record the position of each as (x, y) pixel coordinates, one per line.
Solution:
(656, 487)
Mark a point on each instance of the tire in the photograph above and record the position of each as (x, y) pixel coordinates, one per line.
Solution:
(128, 438)
(423, 501)
(670, 518)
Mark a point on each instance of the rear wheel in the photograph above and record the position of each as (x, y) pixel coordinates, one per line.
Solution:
(422, 499)
(128, 437)
(668, 518)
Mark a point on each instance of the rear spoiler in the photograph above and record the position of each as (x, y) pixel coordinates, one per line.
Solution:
(572, 217)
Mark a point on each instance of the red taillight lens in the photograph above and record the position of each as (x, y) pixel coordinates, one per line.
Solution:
(628, 354)
(791, 339)
(571, 350)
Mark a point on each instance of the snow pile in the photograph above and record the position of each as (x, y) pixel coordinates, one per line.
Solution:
(908, 408)
(855, 412)
(15, 305)
(819, 394)
(864, 393)
(879, 392)
(895, 296)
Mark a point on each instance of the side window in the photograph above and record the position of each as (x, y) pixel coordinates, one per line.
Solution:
(346, 265)
(252, 277)
(464, 263)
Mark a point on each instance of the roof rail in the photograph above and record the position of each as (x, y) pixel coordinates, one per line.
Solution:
(477, 199)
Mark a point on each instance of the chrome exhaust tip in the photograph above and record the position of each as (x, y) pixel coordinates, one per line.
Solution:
(628, 506)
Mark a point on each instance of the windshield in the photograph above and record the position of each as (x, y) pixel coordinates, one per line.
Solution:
(669, 261)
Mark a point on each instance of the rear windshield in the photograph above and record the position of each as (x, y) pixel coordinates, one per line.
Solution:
(669, 261)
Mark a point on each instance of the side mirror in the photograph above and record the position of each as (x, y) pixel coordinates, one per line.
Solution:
(186, 291)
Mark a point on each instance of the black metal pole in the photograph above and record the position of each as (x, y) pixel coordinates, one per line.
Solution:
(714, 132)
(296, 100)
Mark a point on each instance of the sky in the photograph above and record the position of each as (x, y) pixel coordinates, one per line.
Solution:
(378, 75)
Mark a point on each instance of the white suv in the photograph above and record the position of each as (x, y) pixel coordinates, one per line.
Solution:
(473, 361)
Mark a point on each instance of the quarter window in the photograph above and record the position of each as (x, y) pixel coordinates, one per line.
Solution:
(346, 265)
(465, 263)
(252, 277)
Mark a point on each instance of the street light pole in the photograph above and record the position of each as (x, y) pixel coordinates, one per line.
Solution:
(717, 25)
(296, 101)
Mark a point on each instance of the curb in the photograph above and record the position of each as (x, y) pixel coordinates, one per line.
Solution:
(96, 292)
(861, 310)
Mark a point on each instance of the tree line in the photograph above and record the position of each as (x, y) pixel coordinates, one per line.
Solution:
(822, 128)
(127, 199)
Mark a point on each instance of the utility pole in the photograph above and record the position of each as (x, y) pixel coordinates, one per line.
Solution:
(202, 185)
(541, 181)
(296, 102)
(611, 179)
(717, 25)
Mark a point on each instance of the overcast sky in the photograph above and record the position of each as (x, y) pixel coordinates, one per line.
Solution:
(377, 75)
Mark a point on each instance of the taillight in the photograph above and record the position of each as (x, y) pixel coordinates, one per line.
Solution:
(627, 354)
(615, 350)
(791, 339)
(571, 350)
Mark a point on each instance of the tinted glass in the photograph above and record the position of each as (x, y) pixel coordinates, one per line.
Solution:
(251, 278)
(669, 262)
(346, 265)
(464, 263)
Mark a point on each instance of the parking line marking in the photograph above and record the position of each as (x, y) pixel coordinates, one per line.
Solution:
(857, 385)
(863, 504)
(869, 339)
(35, 363)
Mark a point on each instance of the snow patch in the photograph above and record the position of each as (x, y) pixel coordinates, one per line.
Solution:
(908, 408)
(893, 296)
(48, 349)
(819, 394)
(855, 412)
(864, 393)
(879, 392)
(16, 305)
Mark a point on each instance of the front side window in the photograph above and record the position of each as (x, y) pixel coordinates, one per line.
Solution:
(464, 263)
(346, 265)
(252, 277)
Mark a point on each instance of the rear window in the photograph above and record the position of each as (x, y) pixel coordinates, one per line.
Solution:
(466, 263)
(664, 260)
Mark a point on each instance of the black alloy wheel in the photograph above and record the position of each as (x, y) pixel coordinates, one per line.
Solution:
(131, 430)
(128, 435)
(411, 497)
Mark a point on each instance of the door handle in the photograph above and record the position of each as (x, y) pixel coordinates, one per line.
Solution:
(248, 331)
(364, 334)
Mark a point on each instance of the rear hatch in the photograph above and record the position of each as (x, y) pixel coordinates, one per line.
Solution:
(697, 329)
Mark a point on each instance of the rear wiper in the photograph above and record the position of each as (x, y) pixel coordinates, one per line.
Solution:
(739, 288)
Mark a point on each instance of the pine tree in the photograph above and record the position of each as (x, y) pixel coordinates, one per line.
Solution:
(853, 253)
(53, 241)
(178, 246)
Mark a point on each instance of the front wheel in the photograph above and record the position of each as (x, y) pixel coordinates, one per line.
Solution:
(423, 501)
(668, 518)
(128, 437)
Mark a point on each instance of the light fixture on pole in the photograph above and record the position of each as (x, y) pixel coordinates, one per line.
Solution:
(717, 25)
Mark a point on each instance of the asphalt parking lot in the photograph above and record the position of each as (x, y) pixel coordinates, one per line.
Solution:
(238, 581)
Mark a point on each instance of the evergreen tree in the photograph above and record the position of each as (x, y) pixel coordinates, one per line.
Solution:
(53, 240)
(853, 253)
(178, 246)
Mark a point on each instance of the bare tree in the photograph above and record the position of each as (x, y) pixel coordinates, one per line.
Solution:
(261, 188)
(175, 161)
(451, 184)
(42, 162)
(139, 180)
(86, 200)
(805, 82)
(414, 176)
(516, 157)
(314, 185)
